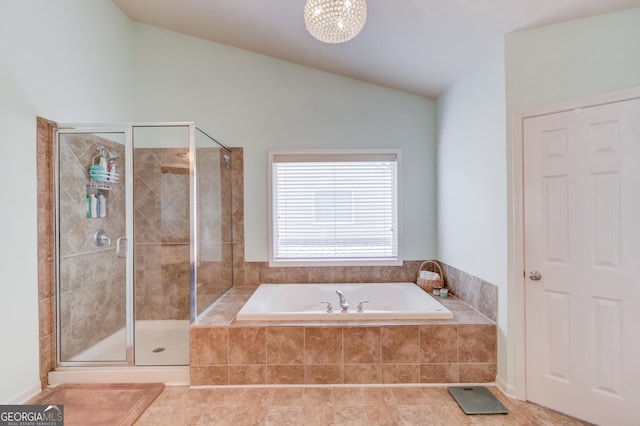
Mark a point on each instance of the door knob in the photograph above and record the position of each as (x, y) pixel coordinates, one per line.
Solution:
(535, 276)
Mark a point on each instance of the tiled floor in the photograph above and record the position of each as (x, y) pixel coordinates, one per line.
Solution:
(332, 406)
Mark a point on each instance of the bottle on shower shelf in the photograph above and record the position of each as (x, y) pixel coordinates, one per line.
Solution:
(111, 170)
(102, 206)
(94, 205)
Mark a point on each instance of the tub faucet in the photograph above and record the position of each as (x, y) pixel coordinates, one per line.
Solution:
(343, 302)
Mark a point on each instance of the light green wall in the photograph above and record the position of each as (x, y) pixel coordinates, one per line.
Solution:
(573, 59)
(472, 189)
(66, 60)
(259, 103)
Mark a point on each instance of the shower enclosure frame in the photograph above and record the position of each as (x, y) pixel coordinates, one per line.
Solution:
(128, 130)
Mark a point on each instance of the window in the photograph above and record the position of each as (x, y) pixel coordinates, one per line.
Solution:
(334, 208)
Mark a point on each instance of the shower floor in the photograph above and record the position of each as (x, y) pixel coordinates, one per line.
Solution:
(156, 343)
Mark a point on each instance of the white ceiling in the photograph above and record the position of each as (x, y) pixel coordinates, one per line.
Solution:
(418, 46)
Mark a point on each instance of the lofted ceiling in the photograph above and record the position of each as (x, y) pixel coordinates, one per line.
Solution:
(418, 46)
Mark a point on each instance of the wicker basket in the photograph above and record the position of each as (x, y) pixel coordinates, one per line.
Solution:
(425, 284)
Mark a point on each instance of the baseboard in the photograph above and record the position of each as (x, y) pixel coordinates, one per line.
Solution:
(506, 388)
(25, 396)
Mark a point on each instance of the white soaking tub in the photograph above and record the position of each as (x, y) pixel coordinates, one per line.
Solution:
(300, 302)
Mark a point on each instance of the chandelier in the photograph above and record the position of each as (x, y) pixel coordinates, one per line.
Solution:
(335, 21)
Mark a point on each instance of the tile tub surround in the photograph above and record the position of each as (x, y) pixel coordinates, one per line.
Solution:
(226, 352)
(480, 294)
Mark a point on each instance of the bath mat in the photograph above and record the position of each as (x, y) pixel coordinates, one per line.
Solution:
(477, 400)
(101, 404)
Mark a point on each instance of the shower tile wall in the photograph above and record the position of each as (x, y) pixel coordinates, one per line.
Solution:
(161, 233)
(92, 279)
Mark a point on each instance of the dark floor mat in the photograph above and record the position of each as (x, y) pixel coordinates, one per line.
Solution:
(477, 400)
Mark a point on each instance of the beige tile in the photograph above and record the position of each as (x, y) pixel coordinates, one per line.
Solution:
(400, 344)
(386, 416)
(409, 396)
(439, 373)
(283, 416)
(323, 345)
(346, 274)
(295, 275)
(209, 375)
(348, 397)
(285, 345)
(285, 374)
(251, 415)
(259, 396)
(208, 345)
(227, 397)
(361, 345)
(333, 405)
(362, 373)
(379, 396)
(323, 374)
(415, 414)
(477, 343)
(400, 373)
(477, 373)
(438, 343)
(247, 374)
(321, 275)
(287, 396)
(317, 397)
(317, 415)
(247, 345)
(216, 416)
(348, 416)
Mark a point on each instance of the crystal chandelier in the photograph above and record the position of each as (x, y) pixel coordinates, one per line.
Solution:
(335, 21)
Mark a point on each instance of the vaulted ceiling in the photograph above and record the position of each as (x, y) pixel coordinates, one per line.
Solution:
(418, 46)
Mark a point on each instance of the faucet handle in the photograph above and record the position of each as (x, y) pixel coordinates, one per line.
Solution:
(360, 307)
(329, 306)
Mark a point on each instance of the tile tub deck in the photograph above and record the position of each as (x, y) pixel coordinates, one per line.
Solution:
(226, 352)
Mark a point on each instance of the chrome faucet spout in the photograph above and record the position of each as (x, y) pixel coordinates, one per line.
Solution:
(343, 302)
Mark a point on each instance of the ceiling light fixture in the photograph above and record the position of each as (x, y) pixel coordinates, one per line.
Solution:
(335, 21)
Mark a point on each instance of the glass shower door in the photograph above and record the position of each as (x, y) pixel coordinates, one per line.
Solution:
(161, 241)
(91, 246)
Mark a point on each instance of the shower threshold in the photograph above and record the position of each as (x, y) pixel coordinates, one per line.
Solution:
(170, 376)
(161, 355)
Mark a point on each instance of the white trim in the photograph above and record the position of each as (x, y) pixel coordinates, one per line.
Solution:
(507, 389)
(25, 396)
(517, 249)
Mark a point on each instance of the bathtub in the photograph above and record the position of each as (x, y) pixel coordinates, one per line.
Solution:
(300, 302)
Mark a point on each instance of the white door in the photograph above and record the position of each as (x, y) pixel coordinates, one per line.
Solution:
(582, 261)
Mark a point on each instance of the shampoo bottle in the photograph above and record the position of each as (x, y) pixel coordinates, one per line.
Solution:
(102, 206)
(94, 205)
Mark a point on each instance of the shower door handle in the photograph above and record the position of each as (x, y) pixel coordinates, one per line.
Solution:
(121, 247)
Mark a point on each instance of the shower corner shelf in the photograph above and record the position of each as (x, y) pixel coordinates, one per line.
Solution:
(100, 178)
(104, 182)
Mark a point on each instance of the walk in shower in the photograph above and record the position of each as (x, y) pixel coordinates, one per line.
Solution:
(143, 240)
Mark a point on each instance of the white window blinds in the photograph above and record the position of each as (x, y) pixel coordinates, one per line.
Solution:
(333, 206)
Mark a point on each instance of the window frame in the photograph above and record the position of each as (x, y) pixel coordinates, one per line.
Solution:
(397, 261)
